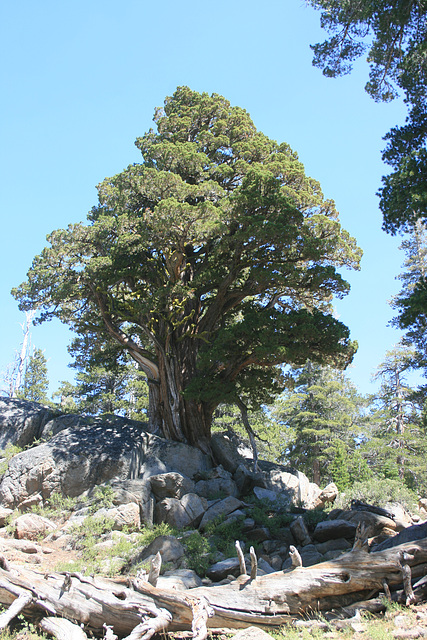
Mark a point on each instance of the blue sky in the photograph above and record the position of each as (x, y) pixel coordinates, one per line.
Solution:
(81, 80)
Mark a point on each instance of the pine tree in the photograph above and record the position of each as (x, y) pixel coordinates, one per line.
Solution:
(107, 380)
(411, 302)
(396, 447)
(35, 383)
(324, 412)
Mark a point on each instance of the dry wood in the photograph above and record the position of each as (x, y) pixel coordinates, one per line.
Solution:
(62, 629)
(254, 564)
(295, 557)
(108, 633)
(404, 558)
(242, 564)
(268, 601)
(156, 564)
(15, 609)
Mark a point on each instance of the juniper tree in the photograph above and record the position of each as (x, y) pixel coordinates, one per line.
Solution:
(212, 262)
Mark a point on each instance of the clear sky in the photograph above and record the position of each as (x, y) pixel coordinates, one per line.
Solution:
(81, 80)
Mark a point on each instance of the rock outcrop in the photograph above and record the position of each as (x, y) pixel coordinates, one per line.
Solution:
(149, 480)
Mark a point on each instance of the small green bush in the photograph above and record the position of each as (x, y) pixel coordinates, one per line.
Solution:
(379, 492)
(7, 454)
(197, 552)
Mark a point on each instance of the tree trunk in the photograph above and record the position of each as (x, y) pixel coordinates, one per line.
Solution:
(266, 601)
(182, 419)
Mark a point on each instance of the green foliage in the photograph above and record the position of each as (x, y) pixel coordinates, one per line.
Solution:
(394, 34)
(216, 251)
(338, 468)
(107, 380)
(395, 445)
(56, 505)
(321, 411)
(198, 552)
(35, 383)
(381, 491)
(148, 534)
(103, 498)
(7, 454)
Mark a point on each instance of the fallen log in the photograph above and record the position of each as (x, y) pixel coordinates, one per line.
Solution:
(140, 609)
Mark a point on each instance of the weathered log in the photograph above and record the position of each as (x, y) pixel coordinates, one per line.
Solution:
(62, 629)
(268, 601)
(15, 609)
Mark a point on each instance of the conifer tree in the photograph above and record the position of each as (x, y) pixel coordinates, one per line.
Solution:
(324, 412)
(35, 383)
(396, 447)
(213, 262)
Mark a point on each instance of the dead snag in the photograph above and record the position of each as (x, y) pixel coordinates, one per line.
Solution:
(156, 564)
(242, 564)
(361, 538)
(295, 557)
(254, 563)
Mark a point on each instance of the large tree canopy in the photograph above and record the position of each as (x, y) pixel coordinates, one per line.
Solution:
(394, 35)
(212, 262)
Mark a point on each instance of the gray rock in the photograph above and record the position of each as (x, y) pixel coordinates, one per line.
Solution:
(327, 495)
(60, 423)
(267, 495)
(300, 531)
(4, 515)
(285, 536)
(31, 526)
(410, 534)
(339, 544)
(173, 456)
(374, 522)
(229, 450)
(310, 555)
(187, 512)
(218, 482)
(265, 566)
(78, 458)
(169, 547)
(21, 421)
(124, 516)
(330, 529)
(258, 534)
(224, 568)
(171, 485)
(246, 479)
(179, 579)
(276, 562)
(221, 508)
(292, 486)
(32, 501)
(138, 491)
